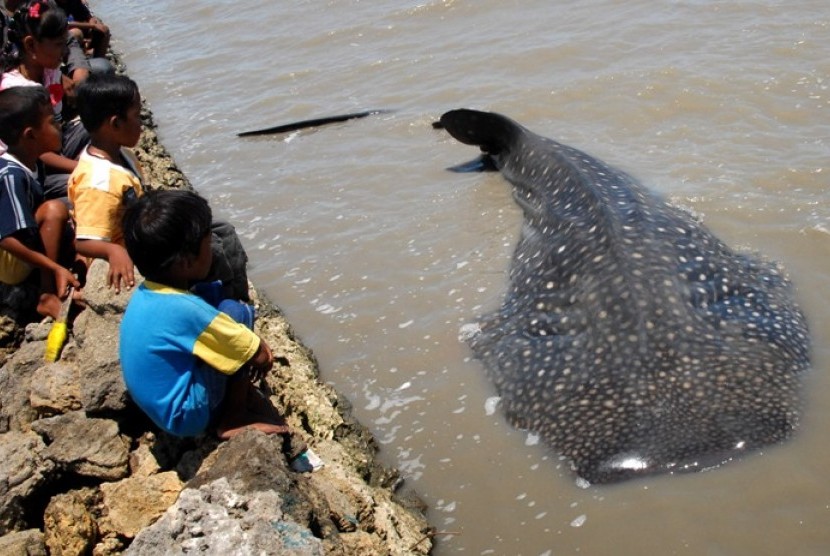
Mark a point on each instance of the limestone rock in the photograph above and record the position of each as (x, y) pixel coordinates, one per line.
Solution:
(142, 461)
(360, 542)
(8, 330)
(94, 347)
(134, 503)
(217, 519)
(69, 526)
(99, 298)
(15, 382)
(24, 543)
(23, 469)
(108, 546)
(55, 389)
(88, 447)
(103, 388)
(250, 461)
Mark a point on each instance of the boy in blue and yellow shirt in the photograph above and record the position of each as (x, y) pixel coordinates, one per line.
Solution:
(189, 365)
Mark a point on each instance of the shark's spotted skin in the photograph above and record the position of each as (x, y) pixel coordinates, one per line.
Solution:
(631, 338)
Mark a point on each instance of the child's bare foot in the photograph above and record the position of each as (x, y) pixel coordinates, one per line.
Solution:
(49, 305)
(249, 421)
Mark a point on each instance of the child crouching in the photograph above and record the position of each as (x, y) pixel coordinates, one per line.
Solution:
(188, 365)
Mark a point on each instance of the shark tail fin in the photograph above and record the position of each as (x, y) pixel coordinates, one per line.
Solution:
(494, 133)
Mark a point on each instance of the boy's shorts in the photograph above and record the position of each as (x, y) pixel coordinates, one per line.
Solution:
(13, 271)
(215, 384)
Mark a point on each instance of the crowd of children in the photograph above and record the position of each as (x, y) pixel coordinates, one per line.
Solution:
(190, 358)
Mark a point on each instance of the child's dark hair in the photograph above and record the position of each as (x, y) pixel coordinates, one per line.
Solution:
(21, 107)
(101, 96)
(42, 19)
(164, 226)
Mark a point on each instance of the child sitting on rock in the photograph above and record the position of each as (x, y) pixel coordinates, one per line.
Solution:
(189, 365)
(108, 178)
(33, 54)
(33, 231)
(86, 27)
(108, 175)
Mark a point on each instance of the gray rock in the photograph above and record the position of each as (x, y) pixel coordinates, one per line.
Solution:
(217, 519)
(99, 298)
(23, 469)
(103, 389)
(15, 380)
(23, 543)
(55, 389)
(88, 447)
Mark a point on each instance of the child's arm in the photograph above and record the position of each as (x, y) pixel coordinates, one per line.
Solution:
(121, 265)
(94, 24)
(63, 277)
(59, 162)
(261, 362)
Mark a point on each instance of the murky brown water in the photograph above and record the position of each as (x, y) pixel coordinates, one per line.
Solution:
(378, 255)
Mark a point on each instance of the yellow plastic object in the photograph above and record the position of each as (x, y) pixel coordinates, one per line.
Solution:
(54, 343)
(57, 335)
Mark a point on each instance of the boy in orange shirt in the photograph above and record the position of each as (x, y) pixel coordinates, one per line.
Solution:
(108, 178)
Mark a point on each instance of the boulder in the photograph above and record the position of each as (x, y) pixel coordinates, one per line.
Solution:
(68, 523)
(16, 375)
(215, 518)
(84, 446)
(55, 389)
(134, 503)
(23, 470)
(27, 543)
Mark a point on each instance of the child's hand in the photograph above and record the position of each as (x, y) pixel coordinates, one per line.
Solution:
(261, 362)
(121, 269)
(63, 279)
(99, 26)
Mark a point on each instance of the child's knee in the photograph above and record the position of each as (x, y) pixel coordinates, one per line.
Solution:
(53, 210)
(238, 311)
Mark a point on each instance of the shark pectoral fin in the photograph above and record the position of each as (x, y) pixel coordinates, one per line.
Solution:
(483, 163)
(316, 122)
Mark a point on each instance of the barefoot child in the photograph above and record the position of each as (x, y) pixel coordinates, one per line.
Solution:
(188, 365)
(32, 230)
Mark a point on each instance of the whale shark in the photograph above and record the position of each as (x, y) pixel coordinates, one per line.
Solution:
(630, 339)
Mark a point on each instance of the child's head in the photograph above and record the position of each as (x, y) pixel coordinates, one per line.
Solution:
(113, 102)
(166, 227)
(12, 5)
(38, 30)
(28, 111)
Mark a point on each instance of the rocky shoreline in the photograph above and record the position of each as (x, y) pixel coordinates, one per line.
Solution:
(83, 471)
